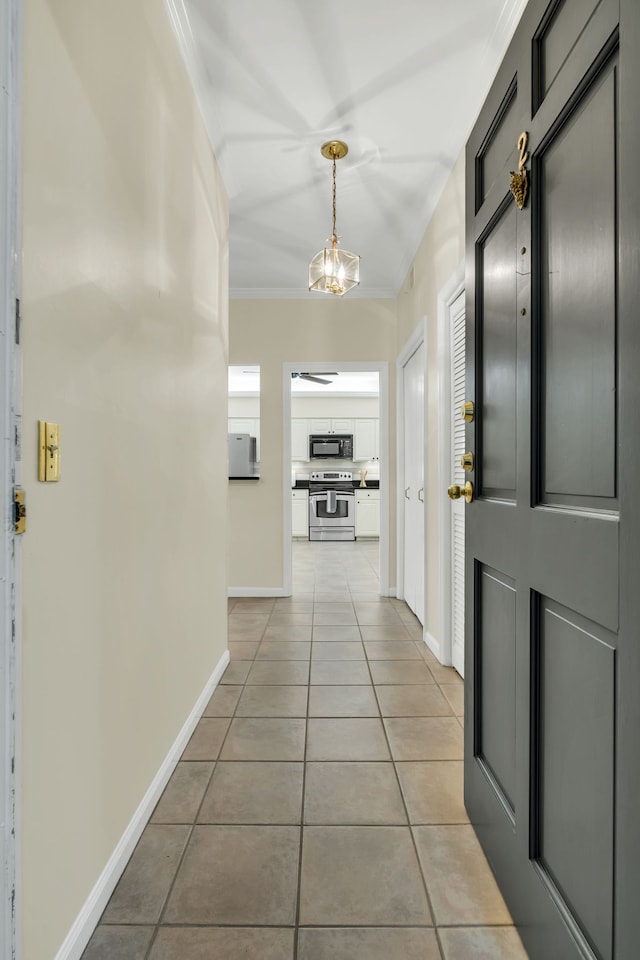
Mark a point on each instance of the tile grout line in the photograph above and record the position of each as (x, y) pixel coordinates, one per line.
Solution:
(159, 923)
(244, 684)
(296, 932)
(411, 833)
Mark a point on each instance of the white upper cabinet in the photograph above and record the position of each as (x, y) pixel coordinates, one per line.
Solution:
(366, 442)
(331, 425)
(299, 438)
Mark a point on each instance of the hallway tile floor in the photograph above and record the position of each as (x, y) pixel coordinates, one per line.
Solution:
(316, 813)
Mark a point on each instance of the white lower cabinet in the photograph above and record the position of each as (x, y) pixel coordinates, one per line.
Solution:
(300, 513)
(367, 512)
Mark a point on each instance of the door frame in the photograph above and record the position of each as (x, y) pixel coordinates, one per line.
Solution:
(446, 298)
(11, 31)
(340, 366)
(415, 341)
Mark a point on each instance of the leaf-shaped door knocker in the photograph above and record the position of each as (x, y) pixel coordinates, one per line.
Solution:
(519, 180)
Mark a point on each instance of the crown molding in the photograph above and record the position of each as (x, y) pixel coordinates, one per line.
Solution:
(294, 293)
(181, 25)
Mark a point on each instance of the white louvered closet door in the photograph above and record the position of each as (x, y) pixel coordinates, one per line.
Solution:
(457, 317)
(414, 541)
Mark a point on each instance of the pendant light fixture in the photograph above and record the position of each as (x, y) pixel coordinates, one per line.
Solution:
(333, 270)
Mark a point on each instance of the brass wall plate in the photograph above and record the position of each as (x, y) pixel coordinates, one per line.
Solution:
(48, 451)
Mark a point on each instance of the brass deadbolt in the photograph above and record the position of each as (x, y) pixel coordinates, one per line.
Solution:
(467, 411)
(466, 461)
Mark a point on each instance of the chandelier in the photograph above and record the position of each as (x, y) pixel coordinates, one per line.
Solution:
(333, 270)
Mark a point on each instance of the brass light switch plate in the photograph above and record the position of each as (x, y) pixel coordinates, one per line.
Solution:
(48, 451)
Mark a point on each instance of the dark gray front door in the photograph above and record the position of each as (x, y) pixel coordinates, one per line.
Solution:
(552, 733)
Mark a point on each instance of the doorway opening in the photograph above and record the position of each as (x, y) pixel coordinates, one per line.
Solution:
(335, 463)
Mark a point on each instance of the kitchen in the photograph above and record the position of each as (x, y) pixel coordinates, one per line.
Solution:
(271, 404)
(335, 447)
(335, 465)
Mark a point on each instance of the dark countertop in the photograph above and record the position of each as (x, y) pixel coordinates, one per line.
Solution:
(371, 485)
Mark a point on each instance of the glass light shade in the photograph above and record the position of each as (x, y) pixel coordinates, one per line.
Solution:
(334, 271)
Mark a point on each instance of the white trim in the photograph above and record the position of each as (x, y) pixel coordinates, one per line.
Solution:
(257, 592)
(11, 65)
(341, 366)
(449, 293)
(87, 920)
(496, 45)
(296, 293)
(188, 47)
(415, 341)
(434, 645)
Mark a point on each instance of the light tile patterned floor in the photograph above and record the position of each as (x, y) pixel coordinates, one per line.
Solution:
(317, 812)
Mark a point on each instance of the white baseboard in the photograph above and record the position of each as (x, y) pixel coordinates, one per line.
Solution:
(87, 920)
(436, 648)
(257, 592)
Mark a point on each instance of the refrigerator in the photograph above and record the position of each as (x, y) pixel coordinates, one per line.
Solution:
(242, 456)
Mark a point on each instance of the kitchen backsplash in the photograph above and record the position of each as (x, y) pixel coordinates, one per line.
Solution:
(307, 466)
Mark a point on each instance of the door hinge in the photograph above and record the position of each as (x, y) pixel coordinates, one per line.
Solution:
(19, 511)
(18, 321)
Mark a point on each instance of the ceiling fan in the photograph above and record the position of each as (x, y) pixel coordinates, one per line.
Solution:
(315, 379)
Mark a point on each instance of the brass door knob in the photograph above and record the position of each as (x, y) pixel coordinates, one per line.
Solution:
(467, 411)
(455, 491)
(466, 461)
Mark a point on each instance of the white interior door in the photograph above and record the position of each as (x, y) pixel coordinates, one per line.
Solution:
(414, 520)
(457, 328)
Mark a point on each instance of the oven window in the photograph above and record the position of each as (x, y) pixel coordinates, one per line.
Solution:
(341, 511)
(326, 448)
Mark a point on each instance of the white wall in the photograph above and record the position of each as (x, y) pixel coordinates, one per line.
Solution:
(349, 407)
(438, 257)
(244, 406)
(125, 345)
(269, 333)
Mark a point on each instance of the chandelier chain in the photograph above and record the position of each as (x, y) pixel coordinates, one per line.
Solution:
(333, 235)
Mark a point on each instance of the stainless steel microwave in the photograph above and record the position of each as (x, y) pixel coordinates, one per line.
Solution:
(331, 446)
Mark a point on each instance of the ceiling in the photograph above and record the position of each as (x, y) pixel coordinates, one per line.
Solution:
(244, 381)
(400, 82)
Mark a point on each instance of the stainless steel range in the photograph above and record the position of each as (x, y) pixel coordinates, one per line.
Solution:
(332, 505)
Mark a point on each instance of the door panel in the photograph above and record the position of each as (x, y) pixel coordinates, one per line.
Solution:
(578, 307)
(497, 467)
(414, 544)
(552, 768)
(495, 677)
(575, 744)
(562, 27)
(497, 145)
